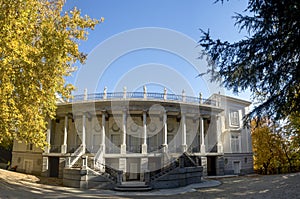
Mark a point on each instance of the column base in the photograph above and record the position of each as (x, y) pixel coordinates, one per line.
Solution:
(63, 148)
(144, 148)
(47, 149)
(84, 162)
(144, 168)
(122, 167)
(204, 165)
(165, 148)
(45, 167)
(102, 148)
(123, 149)
(202, 149)
(184, 148)
(220, 148)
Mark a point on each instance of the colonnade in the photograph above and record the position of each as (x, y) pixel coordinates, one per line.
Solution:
(124, 133)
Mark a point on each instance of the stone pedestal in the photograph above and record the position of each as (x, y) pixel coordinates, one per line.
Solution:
(165, 148)
(144, 148)
(204, 165)
(123, 149)
(220, 148)
(183, 148)
(202, 149)
(45, 167)
(144, 168)
(64, 148)
(220, 165)
(122, 167)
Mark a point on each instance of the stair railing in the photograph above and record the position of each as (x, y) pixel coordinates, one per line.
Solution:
(188, 156)
(98, 159)
(73, 158)
(164, 170)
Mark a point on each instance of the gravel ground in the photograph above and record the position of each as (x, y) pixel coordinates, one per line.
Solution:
(15, 185)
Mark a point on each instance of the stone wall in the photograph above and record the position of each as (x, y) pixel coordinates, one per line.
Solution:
(27, 162)
(245, 161)
(178, 177)
(85, 179)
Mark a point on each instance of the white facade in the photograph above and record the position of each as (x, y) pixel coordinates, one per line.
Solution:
(140, 132)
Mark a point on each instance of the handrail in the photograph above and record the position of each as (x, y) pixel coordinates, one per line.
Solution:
(113, 173)
(142, 95)
(188, 156)
(98, 157)
(157, 173)
(72, 159)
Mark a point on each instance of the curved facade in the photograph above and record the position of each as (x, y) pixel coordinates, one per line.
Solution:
(138, 134)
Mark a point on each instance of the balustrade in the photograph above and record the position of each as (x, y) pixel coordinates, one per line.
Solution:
(141, 95)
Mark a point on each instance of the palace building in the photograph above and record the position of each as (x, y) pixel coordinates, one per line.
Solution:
(163, 140)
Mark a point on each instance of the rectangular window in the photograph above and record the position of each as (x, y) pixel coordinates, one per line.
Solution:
(234, 118)
(235, 144)
(29, 147)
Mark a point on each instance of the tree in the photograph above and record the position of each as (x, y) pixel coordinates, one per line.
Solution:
(275, 146)
(38, 48)
(266, 146)
(266, 62)
(291, 146)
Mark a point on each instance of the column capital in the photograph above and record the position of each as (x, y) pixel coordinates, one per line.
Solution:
(104, 112)
(183, 112)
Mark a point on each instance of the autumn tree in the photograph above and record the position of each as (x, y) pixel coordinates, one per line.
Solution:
(275, 146)
(266, 61)
(266, 146)
(291, 145)
(38, 48)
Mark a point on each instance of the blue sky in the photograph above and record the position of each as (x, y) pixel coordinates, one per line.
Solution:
(182, 17)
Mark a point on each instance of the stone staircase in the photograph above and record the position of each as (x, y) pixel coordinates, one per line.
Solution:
(133, 186)
(163, 171)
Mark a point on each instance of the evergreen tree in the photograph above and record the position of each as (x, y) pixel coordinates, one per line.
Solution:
(266, 62)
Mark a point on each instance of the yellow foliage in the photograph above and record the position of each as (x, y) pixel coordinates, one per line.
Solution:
(38, 47)
(266, 146)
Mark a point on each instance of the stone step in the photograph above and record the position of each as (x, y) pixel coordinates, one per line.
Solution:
(133, 186)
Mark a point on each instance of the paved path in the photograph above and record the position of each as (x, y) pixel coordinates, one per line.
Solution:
(254, 186)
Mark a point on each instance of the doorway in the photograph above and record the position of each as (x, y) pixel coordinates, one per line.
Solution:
(236, 167)
(28, 166)
(133, 169)
(211, 166)
(53, 166)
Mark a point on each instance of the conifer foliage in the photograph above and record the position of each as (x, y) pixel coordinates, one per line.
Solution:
(267, 61)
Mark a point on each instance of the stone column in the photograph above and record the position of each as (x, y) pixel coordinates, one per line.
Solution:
(124, 124)
(202, 149)
(183, 133)
(48, 136)
(64, 146)
(144, 145)
(183, 96)
(122, 167)
(144, 168)
(165, 132)
(204, 165)
(45, 167)
(219, 134)
(103, 132)
(145, 92)
(83, 132)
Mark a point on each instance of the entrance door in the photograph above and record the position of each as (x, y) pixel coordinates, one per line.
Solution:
(211, 166)
(133, 171)
(236, 167)
(53, 166)
(28, 166)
